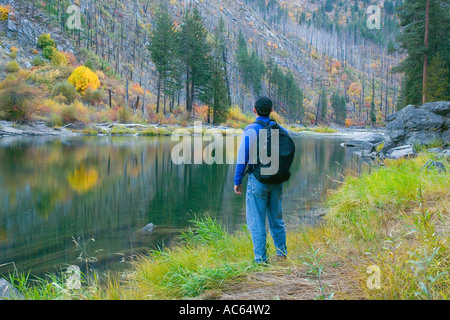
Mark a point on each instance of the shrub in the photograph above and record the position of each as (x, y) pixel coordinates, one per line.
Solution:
(37, 61)
(277, 117)
(48, 52)
(123, 115)
(4, 12)
(13, 52)
(66, 89)
(93, 96)
(69, 114)
(70, 58)
(83, 78)
(54, 121)
(237, 119)
(45, 41)
(58, 58)
(45, 75)
(74, 112)
(12, 66)
(16, 99)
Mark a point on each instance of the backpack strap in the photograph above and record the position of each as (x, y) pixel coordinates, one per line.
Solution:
(264, 124)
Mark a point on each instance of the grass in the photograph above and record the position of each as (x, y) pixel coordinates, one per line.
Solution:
(205, 259)
(296, 129)
(394, 220)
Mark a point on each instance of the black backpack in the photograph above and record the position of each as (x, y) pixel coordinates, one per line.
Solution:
(286, 155)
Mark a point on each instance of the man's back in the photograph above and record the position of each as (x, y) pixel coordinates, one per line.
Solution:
(263, 200)
(248, 141)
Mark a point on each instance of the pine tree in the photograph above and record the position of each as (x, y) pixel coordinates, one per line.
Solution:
(218, 96)
(373, 116)
(194, 51)
(339, 107)
(323, 105)
(438, 85)
(251, 66)
(162, 47)
(422, 47)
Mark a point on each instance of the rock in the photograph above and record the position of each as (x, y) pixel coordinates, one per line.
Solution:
(416, 119)
(446, 154)
(446, 136)
(391, 117)
(422, 137)
(435, 150)
(8, 292)
(420, 125)
(373, 138)
(435, 164)
(11, 26)
(367, 146)
(387, 145)
(401, 152)
(440, 107)
(149, 228)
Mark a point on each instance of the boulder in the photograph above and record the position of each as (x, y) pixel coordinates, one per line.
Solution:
(149, 228)
(431, 164)
(401, 152)
(370, 139)
(440, 107)
(8, 292)
(420, 125)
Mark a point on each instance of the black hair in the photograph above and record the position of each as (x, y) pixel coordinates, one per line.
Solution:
(263, 106)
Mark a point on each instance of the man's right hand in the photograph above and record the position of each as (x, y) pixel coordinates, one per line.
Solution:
(238, 190)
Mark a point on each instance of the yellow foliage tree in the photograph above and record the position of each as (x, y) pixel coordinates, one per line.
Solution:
(83, 78)
(354, 89)
(4, 12)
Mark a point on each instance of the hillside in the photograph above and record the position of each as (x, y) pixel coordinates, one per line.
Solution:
(115, 37)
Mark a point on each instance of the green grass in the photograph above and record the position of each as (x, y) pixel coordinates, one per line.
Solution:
(313, 129)
(206, 257)
(155, 132)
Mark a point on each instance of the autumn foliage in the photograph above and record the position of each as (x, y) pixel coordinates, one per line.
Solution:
(83, 78)
(4, 12)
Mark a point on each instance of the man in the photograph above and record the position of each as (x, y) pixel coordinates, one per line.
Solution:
(262, 199)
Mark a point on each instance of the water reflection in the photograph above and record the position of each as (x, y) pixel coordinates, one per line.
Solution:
(108, 188)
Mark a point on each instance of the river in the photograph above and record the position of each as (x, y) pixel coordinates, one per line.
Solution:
(55, 190)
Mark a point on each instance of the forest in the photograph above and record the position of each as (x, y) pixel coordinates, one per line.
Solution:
(170, 61)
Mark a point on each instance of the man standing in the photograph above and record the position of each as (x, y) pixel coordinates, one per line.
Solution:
(262, 199)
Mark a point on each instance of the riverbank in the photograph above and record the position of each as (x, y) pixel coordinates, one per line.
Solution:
(385, 236)
(40, 128)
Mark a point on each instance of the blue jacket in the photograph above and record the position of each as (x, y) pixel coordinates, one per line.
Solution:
(244, 149)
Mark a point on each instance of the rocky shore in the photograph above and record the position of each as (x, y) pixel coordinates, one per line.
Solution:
(408, 129)
(38, 128)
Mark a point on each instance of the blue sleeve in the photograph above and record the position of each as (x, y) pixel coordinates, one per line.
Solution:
(244, 154)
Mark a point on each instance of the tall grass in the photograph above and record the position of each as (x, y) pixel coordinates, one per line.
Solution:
(205, 258)
(397, 219)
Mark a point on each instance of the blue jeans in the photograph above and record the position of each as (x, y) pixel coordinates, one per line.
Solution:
(265, 200)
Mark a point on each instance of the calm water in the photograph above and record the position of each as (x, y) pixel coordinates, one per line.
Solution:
(108, 188)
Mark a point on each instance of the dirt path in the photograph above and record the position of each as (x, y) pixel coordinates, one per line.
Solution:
(287, 282)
